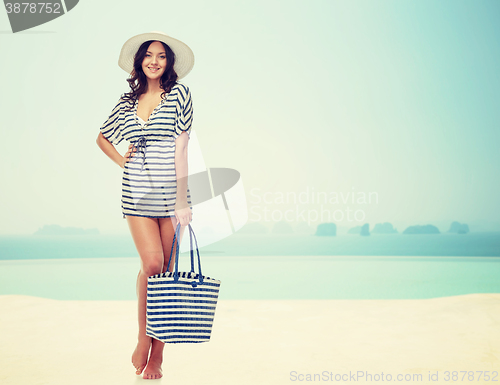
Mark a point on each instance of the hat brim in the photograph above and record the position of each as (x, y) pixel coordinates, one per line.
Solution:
(184, 57)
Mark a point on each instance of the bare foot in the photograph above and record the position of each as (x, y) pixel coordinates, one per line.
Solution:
(153, 370)
(141, 353)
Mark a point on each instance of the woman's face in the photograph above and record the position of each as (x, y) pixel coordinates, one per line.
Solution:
(155, 61)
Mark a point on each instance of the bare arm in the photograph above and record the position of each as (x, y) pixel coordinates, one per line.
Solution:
(107, 147)
(181, 170)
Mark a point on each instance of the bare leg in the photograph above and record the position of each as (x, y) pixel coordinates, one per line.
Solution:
(146, 235)
(167, 230)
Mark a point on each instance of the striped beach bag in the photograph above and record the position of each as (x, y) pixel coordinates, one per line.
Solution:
(181, 305)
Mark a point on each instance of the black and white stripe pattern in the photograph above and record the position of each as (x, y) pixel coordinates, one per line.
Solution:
(178, 312)
(149, 184)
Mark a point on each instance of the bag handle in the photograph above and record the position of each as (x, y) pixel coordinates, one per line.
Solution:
(191, 247)
(173, 243)
(176, 270)
(191, 231)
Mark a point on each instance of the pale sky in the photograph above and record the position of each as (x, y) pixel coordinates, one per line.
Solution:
(394, 98)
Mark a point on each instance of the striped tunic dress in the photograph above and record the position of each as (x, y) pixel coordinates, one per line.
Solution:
(149, 183)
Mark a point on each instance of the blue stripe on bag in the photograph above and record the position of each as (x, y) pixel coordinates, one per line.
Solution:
(182, 331)
(181, 306)
(179, 300)
(169, 286)
(204, 319)
(181, 337)
(181, 312)
(188, 297)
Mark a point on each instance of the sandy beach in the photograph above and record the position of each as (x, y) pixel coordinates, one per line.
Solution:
(46, 341)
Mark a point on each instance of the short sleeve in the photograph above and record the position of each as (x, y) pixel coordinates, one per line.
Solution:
(112, 127)
(184, 113)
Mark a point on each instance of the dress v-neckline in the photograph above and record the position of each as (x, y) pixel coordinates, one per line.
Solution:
(150, 115)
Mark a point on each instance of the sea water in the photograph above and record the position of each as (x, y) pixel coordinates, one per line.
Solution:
(263, 277)
(485, 244)
(263, 266)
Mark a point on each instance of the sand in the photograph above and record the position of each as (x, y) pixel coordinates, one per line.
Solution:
(44, 341)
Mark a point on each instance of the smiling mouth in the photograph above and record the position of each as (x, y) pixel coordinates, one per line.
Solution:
(153, 69)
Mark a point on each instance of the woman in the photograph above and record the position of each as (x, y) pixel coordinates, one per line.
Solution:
(156, 117)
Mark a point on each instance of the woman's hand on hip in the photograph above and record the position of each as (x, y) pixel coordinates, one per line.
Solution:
(128, 155)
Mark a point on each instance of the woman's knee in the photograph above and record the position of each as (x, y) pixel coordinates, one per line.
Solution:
(152, 263)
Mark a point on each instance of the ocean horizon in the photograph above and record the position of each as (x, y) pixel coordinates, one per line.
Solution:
(268, 266)
(263, 277)
(474, 244)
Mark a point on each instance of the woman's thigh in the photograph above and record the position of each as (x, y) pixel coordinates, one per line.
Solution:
(146, 235)
(167, 230)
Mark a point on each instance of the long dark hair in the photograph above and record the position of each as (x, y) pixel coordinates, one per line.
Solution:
(167, 80)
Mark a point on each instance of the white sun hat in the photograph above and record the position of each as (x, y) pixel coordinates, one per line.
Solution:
(184, 57)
